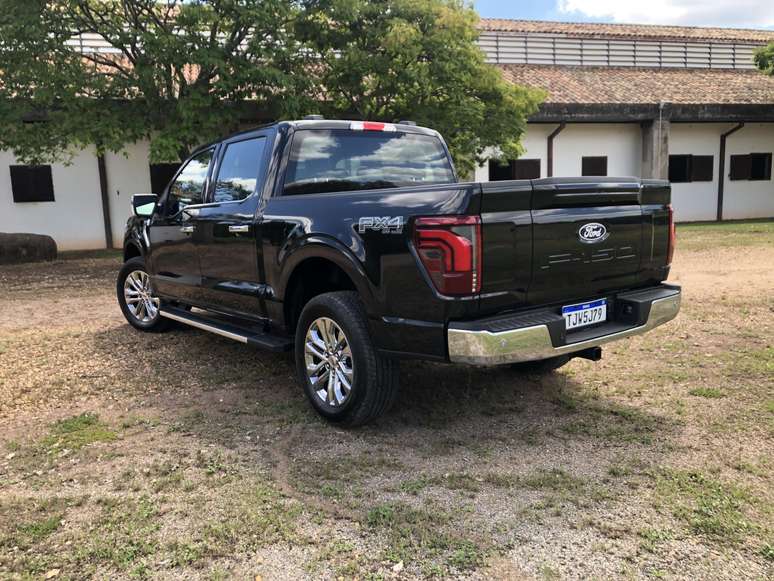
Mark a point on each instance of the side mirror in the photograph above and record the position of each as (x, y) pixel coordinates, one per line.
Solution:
(144, 204)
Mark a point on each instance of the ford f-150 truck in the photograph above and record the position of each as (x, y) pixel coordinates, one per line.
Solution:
(354, 244)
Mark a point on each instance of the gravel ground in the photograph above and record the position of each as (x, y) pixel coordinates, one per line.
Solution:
(182, 454)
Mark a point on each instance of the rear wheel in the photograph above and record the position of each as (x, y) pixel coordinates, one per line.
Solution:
(345, 378)
(541, 366)
(136, 297)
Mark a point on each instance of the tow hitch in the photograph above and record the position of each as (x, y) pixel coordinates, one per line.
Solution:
(592, 354)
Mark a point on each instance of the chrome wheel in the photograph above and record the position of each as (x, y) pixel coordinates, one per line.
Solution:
(139, 298)
(328, 361)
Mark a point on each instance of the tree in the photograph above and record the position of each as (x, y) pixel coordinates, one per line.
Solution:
(764, 58)
(178, 73)
(181, 73)
(418, 60)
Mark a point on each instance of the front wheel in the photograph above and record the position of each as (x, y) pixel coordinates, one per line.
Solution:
(138, 302)
(345, 378)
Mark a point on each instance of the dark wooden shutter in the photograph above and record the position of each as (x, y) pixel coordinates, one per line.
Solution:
(760, 166)
(740, 167)
(526, 169)
(679, 168)
(32, 183)
(701, 168)
(594, 166)
(499, 171)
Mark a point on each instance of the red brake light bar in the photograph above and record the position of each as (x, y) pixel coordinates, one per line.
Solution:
(371, 126)
(450, 250)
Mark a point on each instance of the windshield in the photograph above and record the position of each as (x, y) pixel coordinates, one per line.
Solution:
(344, 160)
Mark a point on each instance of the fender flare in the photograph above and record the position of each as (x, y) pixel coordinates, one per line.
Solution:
(330, 249)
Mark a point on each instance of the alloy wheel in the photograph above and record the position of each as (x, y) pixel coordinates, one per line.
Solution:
(139, 298)
(328, 361)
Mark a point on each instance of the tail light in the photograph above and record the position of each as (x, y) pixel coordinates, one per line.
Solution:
(672, 234)
(450, 250)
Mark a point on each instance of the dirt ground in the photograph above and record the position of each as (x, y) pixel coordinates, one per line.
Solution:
(185, 455)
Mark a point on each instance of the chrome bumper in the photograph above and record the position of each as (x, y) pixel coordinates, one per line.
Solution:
(482, 347)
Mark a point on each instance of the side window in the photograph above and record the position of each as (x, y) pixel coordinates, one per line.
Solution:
(238, 173)
(188, 187)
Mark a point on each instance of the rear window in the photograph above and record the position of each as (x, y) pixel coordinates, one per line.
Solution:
(341, 160)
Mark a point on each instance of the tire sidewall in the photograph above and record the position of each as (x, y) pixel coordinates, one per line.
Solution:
(327, 307)
(130, 266)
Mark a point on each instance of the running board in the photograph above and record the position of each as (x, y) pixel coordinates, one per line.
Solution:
(248, 336)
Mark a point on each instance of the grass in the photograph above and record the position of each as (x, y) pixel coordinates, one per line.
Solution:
(700, 236)
(707, 392)
(426, 538)
(78, 431)
(709, 507)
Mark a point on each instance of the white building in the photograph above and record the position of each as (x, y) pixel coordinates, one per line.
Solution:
(623, 100)
(683, 103)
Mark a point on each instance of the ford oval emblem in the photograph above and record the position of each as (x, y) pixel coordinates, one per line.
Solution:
(592, 232)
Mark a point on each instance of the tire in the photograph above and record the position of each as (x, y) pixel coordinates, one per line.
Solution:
(542, 366)
(373, 379)
(141, 315)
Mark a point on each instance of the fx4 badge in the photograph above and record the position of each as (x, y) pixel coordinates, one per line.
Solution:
(383, 224)
(592, 233)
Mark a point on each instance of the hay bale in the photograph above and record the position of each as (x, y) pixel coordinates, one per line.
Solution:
(18, 247)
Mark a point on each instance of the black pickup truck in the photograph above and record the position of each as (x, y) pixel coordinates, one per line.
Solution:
(354, 244)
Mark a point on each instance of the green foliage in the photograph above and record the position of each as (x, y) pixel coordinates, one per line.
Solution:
(415, 59)
(183, 73)
(764, 58)
(179, 73)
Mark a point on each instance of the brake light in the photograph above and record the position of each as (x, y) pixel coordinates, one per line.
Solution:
(450, 250)
(371, 126)
(672, 235)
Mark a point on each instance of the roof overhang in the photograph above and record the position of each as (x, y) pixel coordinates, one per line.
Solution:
(638, 112)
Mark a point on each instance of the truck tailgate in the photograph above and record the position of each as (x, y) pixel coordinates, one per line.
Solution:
(559, 240)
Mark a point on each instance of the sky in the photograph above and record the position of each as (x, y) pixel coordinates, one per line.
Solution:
(726, 13)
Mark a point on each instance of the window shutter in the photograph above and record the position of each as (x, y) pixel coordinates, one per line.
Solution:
(526, 169)
(32, 183)
(500, 170)
(594, 166)
(701, 168)
(740, 167)
(679, 168)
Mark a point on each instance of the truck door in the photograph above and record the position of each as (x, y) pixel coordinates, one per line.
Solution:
(227, 235)
(173, 258)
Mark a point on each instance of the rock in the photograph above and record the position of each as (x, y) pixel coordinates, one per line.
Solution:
(52, 573)
(397, 567)
(20, 247)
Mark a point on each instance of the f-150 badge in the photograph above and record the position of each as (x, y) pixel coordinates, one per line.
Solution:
(592, 232)
(383, 224)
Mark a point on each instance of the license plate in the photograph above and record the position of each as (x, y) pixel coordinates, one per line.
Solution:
(584, 314)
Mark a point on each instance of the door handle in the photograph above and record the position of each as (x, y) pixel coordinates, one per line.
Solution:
(239, 228)
(187, 229)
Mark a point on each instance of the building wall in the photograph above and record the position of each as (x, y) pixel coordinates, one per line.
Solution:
(741, 199)
(127, 174)
(749, 199)
(620, 142)
(696, 200)
(73, 219)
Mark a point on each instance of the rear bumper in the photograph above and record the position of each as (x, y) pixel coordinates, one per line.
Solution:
(540, 334)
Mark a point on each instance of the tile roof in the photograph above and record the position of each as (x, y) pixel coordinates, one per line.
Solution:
(628, 31)
(630, 85)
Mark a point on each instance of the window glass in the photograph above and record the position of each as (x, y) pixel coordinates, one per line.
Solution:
(526, 169)
(341, 160)
(238, 173)
(32, 183)
(188, 187)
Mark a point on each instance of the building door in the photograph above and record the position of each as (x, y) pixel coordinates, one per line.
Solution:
(173, 258)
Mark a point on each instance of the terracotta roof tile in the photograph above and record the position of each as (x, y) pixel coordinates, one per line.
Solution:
(576, 84)
(630, 31)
